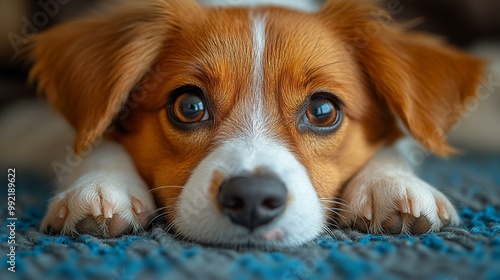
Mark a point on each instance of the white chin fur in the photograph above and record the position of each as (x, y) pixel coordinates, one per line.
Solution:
(197, 217)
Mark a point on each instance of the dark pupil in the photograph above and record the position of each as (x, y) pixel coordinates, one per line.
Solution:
(191, 106)
(321, 110)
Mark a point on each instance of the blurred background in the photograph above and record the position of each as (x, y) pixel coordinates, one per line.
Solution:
(473, 25)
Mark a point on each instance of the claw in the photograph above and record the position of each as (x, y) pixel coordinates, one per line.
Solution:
(404, 205)
(442, 210)
(415, 209)
(367, 212)
(137, 206)
(62, 211)
(95, 209)
(108, 209)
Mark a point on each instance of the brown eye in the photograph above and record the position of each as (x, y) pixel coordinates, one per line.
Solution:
(322, 112)
(188, 107)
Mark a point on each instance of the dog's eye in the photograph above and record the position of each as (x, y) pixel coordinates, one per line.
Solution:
(188, 106)
(322, 114)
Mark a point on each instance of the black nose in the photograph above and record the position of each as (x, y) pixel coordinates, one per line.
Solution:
(252, 201)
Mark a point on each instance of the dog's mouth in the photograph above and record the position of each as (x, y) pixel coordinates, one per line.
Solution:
(255, 210)
(249, 206)
(265, 239)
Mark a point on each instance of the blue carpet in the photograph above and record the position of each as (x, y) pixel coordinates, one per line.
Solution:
(471, 251)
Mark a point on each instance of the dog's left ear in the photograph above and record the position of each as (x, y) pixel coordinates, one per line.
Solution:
(87, 67)
(423, 81)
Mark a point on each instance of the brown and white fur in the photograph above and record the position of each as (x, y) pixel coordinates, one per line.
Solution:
(258, 68)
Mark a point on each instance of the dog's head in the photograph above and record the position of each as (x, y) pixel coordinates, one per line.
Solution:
(247, 122)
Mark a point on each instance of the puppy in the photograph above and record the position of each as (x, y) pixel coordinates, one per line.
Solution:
(253, 125)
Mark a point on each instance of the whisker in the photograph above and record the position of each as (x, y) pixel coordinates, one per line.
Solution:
(334, 200)
(337, 203)
(160, 216)
(327, 230)
(332, 225)
(164, 187)
(334, 210)
(335, 213)
(159, 209)
(157, 217)
(332, 221)
(337, 216)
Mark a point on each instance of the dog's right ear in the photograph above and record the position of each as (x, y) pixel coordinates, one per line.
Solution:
(87, 67)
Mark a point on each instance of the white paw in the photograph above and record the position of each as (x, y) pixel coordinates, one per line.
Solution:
(395, 202)
(100, 204)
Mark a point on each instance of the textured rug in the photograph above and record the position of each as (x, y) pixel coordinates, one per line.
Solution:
(471, 251)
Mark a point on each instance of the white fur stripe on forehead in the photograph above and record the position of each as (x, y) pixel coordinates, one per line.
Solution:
(258, 45)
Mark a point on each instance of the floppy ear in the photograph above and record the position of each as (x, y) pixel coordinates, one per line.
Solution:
(87, 67)
(425, 82)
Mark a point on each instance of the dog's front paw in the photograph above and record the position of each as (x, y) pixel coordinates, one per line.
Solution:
(103, 205)
(395, 203)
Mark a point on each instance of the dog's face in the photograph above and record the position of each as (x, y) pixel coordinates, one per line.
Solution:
(270, 94)
(246, 123)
